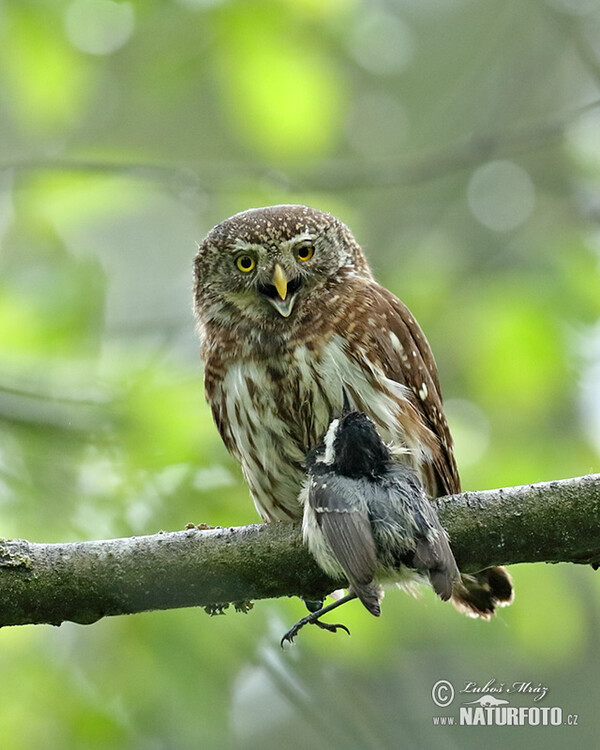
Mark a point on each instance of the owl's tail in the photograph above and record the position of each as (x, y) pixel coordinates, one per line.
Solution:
(478, 595)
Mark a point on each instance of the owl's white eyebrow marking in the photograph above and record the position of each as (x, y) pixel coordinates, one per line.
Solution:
(302, 237)
(240, 244)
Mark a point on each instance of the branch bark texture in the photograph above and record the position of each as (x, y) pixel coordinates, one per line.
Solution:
(85, 581)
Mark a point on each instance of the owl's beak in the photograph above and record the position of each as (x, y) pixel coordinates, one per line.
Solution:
(283, 302)
(280, 281)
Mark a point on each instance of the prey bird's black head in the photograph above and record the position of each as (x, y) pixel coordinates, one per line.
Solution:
(354, 448)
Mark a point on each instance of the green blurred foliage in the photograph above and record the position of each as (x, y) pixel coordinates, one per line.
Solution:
(456, 139)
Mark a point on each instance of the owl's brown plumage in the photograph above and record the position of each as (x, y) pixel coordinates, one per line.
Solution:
(290, 315)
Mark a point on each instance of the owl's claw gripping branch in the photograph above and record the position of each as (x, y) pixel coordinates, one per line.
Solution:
(314, 619)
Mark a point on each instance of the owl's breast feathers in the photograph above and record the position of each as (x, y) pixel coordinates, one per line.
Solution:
(273, 397)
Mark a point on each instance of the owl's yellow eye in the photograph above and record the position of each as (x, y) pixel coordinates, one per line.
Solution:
(245, 263)
(305, 252)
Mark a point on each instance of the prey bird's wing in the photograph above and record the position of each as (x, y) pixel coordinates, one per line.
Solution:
(417, 522)
(433, 552)
(342, 517)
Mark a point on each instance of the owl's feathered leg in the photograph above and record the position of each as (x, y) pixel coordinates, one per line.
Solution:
(313, 619)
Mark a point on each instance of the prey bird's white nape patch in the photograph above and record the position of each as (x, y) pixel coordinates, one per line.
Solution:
(329, 440)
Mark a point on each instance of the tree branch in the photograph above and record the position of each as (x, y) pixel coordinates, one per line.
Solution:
(334, 174)
(85, 581)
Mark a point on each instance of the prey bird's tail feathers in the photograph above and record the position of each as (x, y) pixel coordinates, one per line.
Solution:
(369, 595)
(433, 555)
(479, 595)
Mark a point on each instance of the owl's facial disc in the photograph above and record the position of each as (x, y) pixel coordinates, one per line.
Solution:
(282, 292)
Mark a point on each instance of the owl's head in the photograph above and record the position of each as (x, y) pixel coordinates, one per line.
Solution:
(267, 265)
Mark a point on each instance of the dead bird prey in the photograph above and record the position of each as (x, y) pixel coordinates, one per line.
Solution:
(367, 519)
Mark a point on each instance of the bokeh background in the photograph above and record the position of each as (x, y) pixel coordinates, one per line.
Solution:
(460, 139)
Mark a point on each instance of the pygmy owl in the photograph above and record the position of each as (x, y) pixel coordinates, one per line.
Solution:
(289, 316)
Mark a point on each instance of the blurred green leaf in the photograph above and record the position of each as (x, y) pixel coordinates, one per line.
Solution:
(286, 97)
(48, 80)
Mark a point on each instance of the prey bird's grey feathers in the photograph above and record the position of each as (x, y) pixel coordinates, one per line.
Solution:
(345, 525)
(366, 515)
